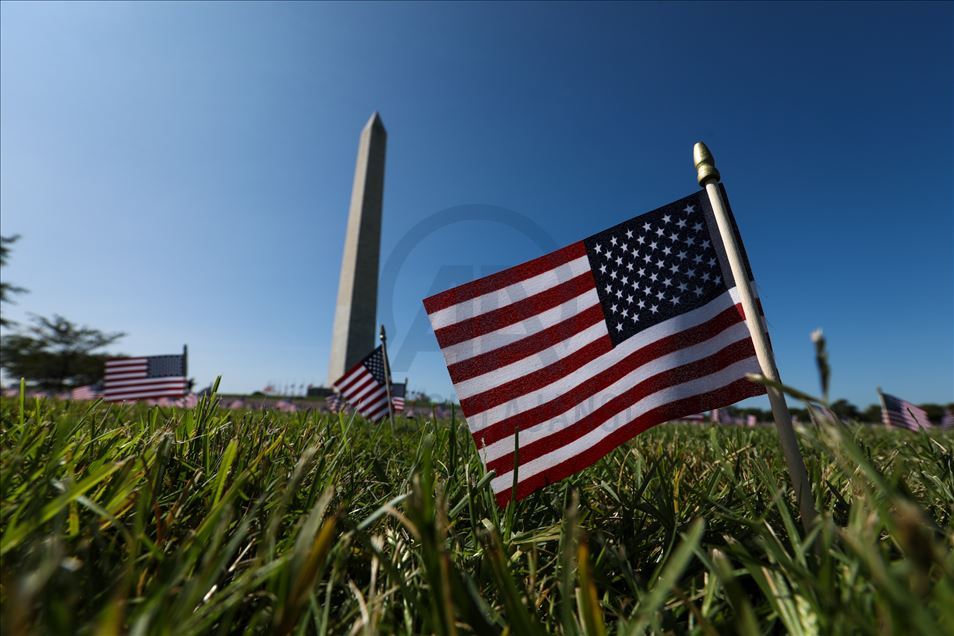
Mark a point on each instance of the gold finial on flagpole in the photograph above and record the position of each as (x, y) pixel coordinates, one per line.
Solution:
(705, 164)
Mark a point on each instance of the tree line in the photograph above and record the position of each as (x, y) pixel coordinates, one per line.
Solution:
(50, 353)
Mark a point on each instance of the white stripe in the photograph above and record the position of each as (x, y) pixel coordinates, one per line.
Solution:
(651, 368)
(520, 330)
(140, 394)
(126, 362)
(376, 410)
(509, 294)
(140, 389)
(111, 377)
(565, 384)
(660, 398)
(531, 363)
(350, 377)
(356, 382)
(356, 397)
(380, 393)
(139, 381)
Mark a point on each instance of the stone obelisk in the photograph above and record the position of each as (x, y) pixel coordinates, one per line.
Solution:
(353, 336)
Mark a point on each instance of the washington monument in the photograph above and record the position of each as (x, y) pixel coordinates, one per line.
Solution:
(353, 336)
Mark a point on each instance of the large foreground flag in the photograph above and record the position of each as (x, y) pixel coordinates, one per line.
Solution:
(130, 379)
(583, 348)
(364, 386)
(898, 412)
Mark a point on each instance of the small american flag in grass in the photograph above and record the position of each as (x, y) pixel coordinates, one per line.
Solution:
(398, 393)
(581, 349)
(131, 379)
(903, 414)
(364, 386)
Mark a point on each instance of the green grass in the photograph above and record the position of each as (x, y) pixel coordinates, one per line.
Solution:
(162, 521)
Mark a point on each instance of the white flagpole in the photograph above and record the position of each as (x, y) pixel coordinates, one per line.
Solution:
(708, 177)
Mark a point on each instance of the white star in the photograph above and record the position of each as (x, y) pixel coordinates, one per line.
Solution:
(623, 246)
(660, 231)
(608, 255)
(681, 223)
(675, 300)
(613, 240)
(653, 245)
(691, 273)
(696, 227)
(613, 274)
(705, 275)
(697, 291)
(667, 219)
(647, 227)
(681, 255)
(661, 295)
(689, 209)
(653, 276)
(603, 268)
(614, 308)
(647, 290)
(641, 239)
(673, 237)
(634, 317)
(674, 269)
(609, 289)
(660, 263)
(683, 287)
(619, 326)
(619, 260)
(619, 292)
(625, 280)
(598, 248)
(625, 313)
(654, 309)
(629, 299)
(629, 267)
(668, 282)
(697, 259)
(629, 233)
(705, 245)
(691, 241)
(667, 250)
(641, 304)
(712, 262)
(647, 257)
(641, 271)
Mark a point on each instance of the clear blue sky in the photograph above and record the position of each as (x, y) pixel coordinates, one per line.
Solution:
(182, 171)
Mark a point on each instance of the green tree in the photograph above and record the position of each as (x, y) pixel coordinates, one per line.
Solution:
(845, 410)
(6, 289)
(55, 354)
(872, 414)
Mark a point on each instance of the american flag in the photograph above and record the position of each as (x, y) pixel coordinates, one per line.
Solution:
(364, 386)
(584, 348)
(898, 412)
(129, 379)
(398, 392)
(335, 402)
(85, 392)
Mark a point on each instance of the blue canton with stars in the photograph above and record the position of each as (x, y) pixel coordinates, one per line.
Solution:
(657, 265)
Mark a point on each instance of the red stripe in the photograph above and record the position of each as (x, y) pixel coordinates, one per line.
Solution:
(536, 380)
(358, 386)
(349, 371)
(145, 395)
(520, 310)
(508, 354)
(729, 394)
(143, 386)
(592, 386)
(502, 279)
(734, 352)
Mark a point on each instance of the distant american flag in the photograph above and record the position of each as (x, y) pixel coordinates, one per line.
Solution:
(583, 348)
(903, 414)
(364, 386)
(948, 420)
(398, 392)
(86, 392)
(335, 402)
(130, 379)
